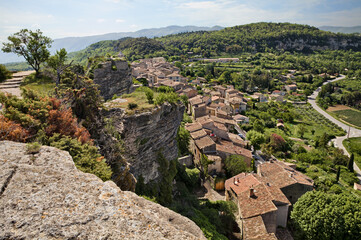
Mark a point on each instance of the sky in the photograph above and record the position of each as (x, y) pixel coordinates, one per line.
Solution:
(70, 18)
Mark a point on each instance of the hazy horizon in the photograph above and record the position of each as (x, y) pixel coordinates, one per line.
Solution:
(60, 19)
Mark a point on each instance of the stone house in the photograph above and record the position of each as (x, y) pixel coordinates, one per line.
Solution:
(221, 90)
(204, 145)
(190, 92)
(240, 119)
(257, 201)
(227, 148)
(292, 87)
(216, 166)
(292, 183)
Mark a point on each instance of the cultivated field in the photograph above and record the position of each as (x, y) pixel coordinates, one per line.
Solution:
(349, 115)
(337, 108)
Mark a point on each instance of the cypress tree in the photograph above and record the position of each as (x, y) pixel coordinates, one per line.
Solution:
(338, 174)
(350, 163)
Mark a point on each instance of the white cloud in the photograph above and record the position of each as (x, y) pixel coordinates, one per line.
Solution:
(230, 13)
(119, 20)
(100, 20)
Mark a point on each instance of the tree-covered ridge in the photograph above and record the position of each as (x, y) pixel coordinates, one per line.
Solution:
(255, 37)
(250, 37)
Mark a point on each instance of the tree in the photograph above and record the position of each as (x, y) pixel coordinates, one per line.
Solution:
(235, 164)
(183, 137)
(319, 215)
(57, 62)
(301, 130)
(33, 46)
(350, 162)
(256, 138)
(338, 174)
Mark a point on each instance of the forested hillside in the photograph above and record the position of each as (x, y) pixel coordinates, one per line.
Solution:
(255, 37)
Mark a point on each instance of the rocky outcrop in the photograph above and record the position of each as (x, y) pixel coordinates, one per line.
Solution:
(44, 196)
(145, 134)
(312, 44)
(113, 77)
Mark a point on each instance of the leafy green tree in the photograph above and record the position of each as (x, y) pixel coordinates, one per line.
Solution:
(256, 138)
(4, 73)
(33, 46)
(183, 137)
(235, 164)
(318, 215)
(57, 62)
(258, 126)
(301, 130)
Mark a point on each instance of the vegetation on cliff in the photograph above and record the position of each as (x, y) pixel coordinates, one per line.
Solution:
(47, 121)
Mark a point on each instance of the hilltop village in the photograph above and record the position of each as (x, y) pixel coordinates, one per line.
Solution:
(265, 196)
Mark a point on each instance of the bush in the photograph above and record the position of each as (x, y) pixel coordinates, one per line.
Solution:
(235, 164)
(132, 106)
(86, 157)
(4, 73)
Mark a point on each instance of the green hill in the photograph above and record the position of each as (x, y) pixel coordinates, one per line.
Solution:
(255, 37)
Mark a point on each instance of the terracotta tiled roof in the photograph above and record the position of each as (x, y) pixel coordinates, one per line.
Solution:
(204, 142)
(237, 139)
(229, 147)
(192, 127)
(254, 229)
(198, 134)
(258, 204)
(282, 175)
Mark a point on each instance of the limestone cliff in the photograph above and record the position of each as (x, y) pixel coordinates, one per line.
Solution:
(146, 133)
(44, 196)
(113, 77)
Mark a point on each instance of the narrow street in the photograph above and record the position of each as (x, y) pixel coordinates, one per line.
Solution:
(350, 131)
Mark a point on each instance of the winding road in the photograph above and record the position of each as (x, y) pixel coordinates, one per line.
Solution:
(351, 131)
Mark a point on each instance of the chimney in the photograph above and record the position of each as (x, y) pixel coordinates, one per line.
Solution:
(259, 170)
(251, 192)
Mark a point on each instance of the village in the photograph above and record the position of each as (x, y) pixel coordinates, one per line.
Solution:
(264, 196)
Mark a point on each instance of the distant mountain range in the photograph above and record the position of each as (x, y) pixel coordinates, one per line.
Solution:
(355, 29)
(72, 44)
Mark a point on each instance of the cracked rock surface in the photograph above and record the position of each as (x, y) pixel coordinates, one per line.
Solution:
(44, 196)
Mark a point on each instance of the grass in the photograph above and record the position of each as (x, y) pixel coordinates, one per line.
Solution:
(44, 86)
(351, 116)
(353, 145)
(137, 97)
(44, 89)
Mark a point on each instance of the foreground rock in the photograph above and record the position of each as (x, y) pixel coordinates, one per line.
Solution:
(44, 196)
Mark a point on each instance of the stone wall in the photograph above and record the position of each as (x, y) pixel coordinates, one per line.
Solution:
(113, 77)
(44, 196)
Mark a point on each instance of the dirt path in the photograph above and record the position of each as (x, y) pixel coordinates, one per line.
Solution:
(12, 85)
(351, 131)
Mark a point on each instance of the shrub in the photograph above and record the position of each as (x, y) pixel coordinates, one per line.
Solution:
(12, 131)
(86, 157)
(4, 73)
(132, 106)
